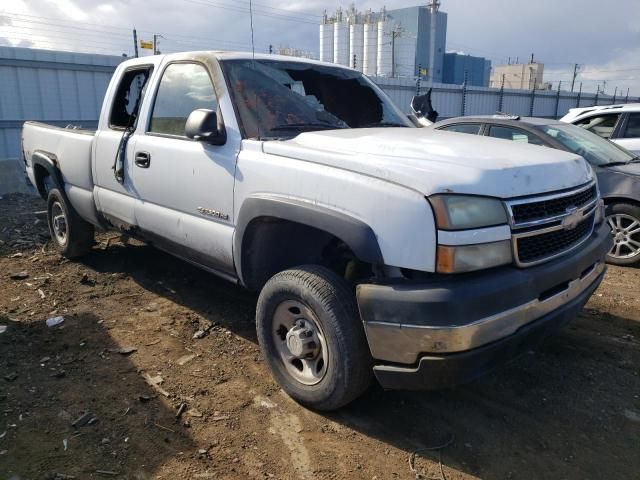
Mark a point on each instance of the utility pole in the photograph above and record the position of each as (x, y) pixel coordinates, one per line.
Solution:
(135, 43)
(575, 74)
(626, 99)
(579, 95)
(155, 44)
(615, 92)
(397, 32)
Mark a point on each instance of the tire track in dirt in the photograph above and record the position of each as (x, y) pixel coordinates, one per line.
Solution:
(288, 427)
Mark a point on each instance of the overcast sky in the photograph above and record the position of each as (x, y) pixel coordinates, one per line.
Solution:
(604, 38)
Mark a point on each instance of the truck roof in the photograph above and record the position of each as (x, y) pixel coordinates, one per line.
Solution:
(225, 55)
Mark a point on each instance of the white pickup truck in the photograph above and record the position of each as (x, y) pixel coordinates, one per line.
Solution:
(425, 258)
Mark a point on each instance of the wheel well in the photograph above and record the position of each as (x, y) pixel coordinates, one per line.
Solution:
(271, 245)
(40, 173)
(612, 200)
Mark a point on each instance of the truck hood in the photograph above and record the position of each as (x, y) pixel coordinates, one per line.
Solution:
(632, 169)
(432, 162)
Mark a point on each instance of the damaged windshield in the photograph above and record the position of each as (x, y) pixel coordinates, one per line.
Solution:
(280, 99)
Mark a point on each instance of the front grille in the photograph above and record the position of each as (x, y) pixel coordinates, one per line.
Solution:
(529, 212)
(537, 247)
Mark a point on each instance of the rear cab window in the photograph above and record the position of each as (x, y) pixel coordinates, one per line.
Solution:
(128, 97)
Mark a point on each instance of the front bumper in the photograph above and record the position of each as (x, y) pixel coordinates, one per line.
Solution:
(450, 329)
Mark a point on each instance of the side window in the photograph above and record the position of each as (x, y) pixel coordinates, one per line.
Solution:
(472, 128)
(633, 126)
(184, 87)
(601, 125)
(514, 134)
(128, 96)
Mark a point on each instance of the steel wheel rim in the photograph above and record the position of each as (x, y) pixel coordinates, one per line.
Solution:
(626, 235)
(300, 342)
(59, 223)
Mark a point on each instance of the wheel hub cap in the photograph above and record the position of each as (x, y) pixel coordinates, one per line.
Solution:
(300, 342)
(59, 223)
(626, 235)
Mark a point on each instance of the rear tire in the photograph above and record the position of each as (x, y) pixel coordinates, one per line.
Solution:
(71, 235)
(312, 337)
(624, 220)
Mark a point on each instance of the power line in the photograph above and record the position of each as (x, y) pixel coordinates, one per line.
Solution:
(97, 37)
(236, 8)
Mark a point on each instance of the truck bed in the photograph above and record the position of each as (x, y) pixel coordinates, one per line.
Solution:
(69, 148)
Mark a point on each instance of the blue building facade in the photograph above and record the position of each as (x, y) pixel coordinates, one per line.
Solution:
(455, 65)
(415, 25)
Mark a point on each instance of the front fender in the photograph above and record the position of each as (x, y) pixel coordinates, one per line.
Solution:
(357, 235)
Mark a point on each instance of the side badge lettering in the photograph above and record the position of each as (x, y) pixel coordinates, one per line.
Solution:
(213, 213)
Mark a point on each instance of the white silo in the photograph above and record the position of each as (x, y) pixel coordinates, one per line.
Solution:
(340, 39)
(356, 46)
(341, 43)
(384, 63)
(370, 50)
(326, 42)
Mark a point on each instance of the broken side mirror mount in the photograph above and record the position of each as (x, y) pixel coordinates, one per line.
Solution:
(423, 110)
(203, 126)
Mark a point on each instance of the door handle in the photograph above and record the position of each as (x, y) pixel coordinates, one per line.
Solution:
(143, 159)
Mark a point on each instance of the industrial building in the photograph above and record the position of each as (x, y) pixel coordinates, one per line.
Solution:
(519, 76)
(459, 68)
(403, 42)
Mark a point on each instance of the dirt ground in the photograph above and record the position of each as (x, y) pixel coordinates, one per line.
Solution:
(123, 390)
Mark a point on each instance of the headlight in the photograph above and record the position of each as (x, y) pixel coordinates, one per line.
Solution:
(467, 258)
(463, 212)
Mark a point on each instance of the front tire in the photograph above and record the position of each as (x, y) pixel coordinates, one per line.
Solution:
(624, 220)
(71, 235)
(312, 338)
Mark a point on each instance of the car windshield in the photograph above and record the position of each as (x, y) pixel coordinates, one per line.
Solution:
(280, 99)
(591, 147)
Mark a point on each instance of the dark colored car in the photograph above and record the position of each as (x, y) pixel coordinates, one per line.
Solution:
(618, 170)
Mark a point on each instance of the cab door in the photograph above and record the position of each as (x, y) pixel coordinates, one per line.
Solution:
(116, 198)
(184, 187)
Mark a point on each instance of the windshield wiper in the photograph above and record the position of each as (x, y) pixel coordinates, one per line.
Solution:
(382, 124)
(306, 126)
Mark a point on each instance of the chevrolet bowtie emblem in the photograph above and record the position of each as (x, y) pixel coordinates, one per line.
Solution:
(572, 219)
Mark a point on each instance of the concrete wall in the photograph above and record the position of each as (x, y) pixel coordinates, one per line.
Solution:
(12, 178)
